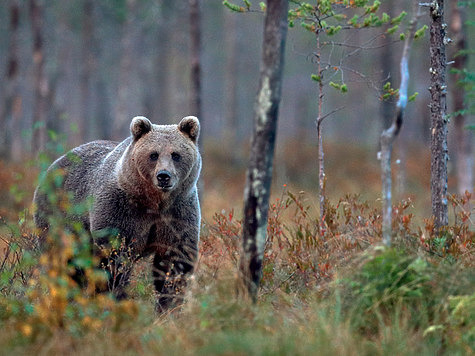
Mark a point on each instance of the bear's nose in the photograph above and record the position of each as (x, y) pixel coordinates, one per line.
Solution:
(163, 178)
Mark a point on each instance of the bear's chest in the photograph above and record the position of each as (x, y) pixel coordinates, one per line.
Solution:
(157, 234)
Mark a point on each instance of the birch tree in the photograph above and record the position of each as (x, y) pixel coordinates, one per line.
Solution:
(259, 171)
(326, 19)
(389, 135)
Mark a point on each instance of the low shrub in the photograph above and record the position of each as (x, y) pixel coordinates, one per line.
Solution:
(325, 286)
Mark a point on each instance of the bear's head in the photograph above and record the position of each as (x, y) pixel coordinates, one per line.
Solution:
(164, 158)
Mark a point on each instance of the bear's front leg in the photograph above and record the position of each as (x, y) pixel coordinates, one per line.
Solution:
(170, 273)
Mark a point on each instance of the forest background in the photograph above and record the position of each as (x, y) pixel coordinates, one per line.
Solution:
(101, 63)
(85, 68)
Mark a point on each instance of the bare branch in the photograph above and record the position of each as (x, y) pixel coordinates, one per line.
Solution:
(343, 44)
(360, 48)
(323, 117)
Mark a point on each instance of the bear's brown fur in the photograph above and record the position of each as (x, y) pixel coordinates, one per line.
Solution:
(142, 189)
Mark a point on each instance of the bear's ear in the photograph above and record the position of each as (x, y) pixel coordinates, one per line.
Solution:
(190, 126)
(139, 126)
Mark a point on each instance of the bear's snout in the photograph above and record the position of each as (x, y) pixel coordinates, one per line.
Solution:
(164, 179)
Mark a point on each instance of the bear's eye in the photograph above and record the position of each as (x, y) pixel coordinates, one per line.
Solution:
(176, 157)
(154, 156)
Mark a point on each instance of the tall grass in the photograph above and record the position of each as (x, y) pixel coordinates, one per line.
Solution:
(327, 289)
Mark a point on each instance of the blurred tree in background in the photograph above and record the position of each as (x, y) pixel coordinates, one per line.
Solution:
(78, 70)
(82, 69)
(458, 76)
(10, 113)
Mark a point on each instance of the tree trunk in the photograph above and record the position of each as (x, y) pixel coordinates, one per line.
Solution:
(195, 54)
(231, 129)
(388, 64)
(41, 84)
(463, 138)
(259, 172)
(122, 114)
(438, 111)
(87, 125)
(161, 100)
(389, 135)
(11, 112)
(319, 122)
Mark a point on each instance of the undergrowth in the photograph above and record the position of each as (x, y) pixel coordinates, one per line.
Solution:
(329, 288)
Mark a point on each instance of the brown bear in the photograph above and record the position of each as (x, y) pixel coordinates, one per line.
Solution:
(143, 190)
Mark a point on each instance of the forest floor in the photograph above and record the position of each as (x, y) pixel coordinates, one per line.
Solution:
(327, 289)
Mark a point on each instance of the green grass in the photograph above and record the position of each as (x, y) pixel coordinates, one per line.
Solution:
(372, 301)
(336, 293)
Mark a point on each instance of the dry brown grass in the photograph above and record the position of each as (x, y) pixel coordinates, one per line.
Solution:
(301, 307)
